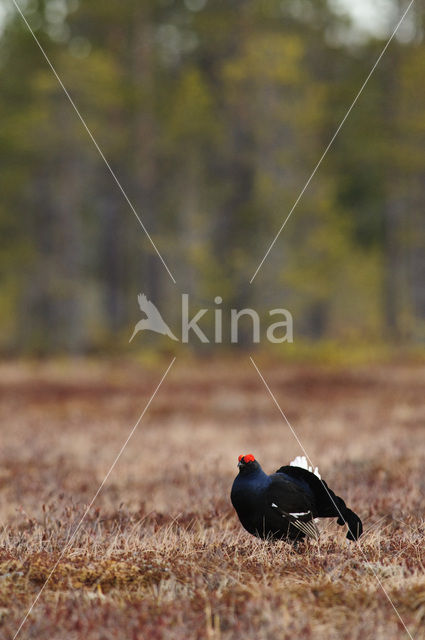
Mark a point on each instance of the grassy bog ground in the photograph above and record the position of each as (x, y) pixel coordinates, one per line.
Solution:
(162, 554)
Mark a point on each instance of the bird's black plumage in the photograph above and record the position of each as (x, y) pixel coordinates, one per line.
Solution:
(284, 504)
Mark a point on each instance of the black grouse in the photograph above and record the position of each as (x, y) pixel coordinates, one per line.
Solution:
(285, 504)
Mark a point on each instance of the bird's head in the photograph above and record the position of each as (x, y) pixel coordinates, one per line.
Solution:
(247, 464)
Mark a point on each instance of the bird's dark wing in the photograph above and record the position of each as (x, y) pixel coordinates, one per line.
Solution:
(294, 503)
(327, 503)
(303, 522)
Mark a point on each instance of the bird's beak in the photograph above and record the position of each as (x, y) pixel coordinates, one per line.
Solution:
(240, 464)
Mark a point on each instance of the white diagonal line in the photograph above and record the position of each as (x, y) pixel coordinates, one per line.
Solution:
(102, 155)
(324, 486)
(332, 140)
(93, 499)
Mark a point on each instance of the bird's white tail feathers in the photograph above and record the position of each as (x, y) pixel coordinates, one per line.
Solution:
(301, 461)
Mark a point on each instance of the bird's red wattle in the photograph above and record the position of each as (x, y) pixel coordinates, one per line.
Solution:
(247, 458)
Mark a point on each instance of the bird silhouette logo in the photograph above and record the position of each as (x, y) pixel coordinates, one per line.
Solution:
(153, 320)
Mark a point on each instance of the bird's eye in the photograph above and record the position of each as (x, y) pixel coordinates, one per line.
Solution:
(240, 457)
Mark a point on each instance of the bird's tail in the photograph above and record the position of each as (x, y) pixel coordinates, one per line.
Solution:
(328, 504)
(302, 462)
(355, 527)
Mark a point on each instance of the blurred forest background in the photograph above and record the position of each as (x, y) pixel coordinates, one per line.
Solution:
(213, 114)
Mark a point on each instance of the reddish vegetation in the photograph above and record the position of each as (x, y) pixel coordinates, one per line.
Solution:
(162, 554)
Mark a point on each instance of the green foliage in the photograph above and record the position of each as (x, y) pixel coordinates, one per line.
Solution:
(212, 116)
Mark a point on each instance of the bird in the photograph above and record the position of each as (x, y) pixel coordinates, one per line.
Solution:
(285, 504)
(154, 320)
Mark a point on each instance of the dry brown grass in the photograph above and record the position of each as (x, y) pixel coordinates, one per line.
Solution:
(162, 554)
